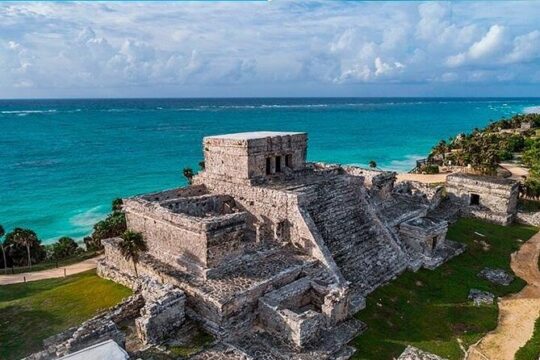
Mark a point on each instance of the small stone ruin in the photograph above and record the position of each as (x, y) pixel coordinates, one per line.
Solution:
(412, 353)
(480, 297)
(496, 276)
(490, 198)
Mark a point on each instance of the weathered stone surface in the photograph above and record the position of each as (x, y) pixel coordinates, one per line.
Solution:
(528, 218)
(222, 351)
(412, 353)
(162, 313)
(487, 197)
(496, 276)
(480, 297)
(266, 247)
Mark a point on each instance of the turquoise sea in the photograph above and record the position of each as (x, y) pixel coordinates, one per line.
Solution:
(63, 161)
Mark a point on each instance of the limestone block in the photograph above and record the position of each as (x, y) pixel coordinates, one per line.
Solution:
(163, 312)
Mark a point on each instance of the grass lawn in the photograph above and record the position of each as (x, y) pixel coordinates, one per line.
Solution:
(429, 309)
(36, 310)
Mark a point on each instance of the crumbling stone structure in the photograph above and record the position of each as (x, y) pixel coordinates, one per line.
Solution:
(163, 312)
(486, 197)
(273, 252)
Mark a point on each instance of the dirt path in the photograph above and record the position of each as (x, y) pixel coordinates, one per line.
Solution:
(517, 171)
(423, 178)
(517, 313)
(49, 273)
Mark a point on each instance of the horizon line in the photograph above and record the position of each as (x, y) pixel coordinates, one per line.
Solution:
(269, 97)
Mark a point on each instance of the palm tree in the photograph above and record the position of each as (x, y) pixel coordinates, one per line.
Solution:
(188, 174)
(26, 238)
(372, 164)
(131, 246)
(2, 233)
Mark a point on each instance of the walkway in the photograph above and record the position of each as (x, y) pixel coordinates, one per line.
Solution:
(50, 273)
(423, 178)
(517, 313)
(518, 172)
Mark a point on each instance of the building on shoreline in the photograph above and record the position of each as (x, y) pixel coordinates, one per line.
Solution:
(270, 254)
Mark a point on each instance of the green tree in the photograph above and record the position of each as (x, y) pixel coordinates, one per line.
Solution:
(372, 164)
(117, 204)
(24, 240)
(64, 248)
(131, 246)
(112, 226)
(188, 174)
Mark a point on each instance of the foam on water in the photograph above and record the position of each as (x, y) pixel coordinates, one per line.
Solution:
(532, 110)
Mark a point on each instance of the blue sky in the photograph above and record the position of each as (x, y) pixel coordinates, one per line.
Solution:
(276, 48)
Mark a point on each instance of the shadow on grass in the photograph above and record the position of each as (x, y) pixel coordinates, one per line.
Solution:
(15, 322)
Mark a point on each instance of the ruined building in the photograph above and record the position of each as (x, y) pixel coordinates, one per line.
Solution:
(271, 254)
(490, 198)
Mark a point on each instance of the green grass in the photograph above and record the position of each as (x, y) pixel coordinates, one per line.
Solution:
(531, 350)
(33, 311)
(429, 309)
(198, 342)
(52, 264)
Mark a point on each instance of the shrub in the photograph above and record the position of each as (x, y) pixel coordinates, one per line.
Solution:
(430, 169)
(114, 225)
(64, 248)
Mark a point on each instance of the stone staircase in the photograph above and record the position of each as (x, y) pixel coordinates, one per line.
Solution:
(364, 253)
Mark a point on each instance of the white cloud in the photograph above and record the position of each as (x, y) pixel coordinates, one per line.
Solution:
(490, 43)
(525, 48)
(487, 46)
(105, 48)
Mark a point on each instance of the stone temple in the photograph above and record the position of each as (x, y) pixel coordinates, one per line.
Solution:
(271, 254)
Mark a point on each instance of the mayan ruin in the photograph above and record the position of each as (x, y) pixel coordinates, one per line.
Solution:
(273, 255)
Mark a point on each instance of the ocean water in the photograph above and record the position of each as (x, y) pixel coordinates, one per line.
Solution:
(63, 161)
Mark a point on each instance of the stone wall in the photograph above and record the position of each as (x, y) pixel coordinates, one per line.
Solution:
(292, 313)
(244, 156)
(189, 242)
(424, 235)
(162, 313)
(528, 218)
(497, 197)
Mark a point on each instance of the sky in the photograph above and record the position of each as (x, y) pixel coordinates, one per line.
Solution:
(278, 48)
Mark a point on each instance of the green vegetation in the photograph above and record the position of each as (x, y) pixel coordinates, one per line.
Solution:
(131, 246)
(529, 205)
(23, 248)
(484, 149)
(429, 309)
(31, 312)
(64, 248)
(197, 343)
(112, 226)
(531, 350)
(429, 169)
(188, 174)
